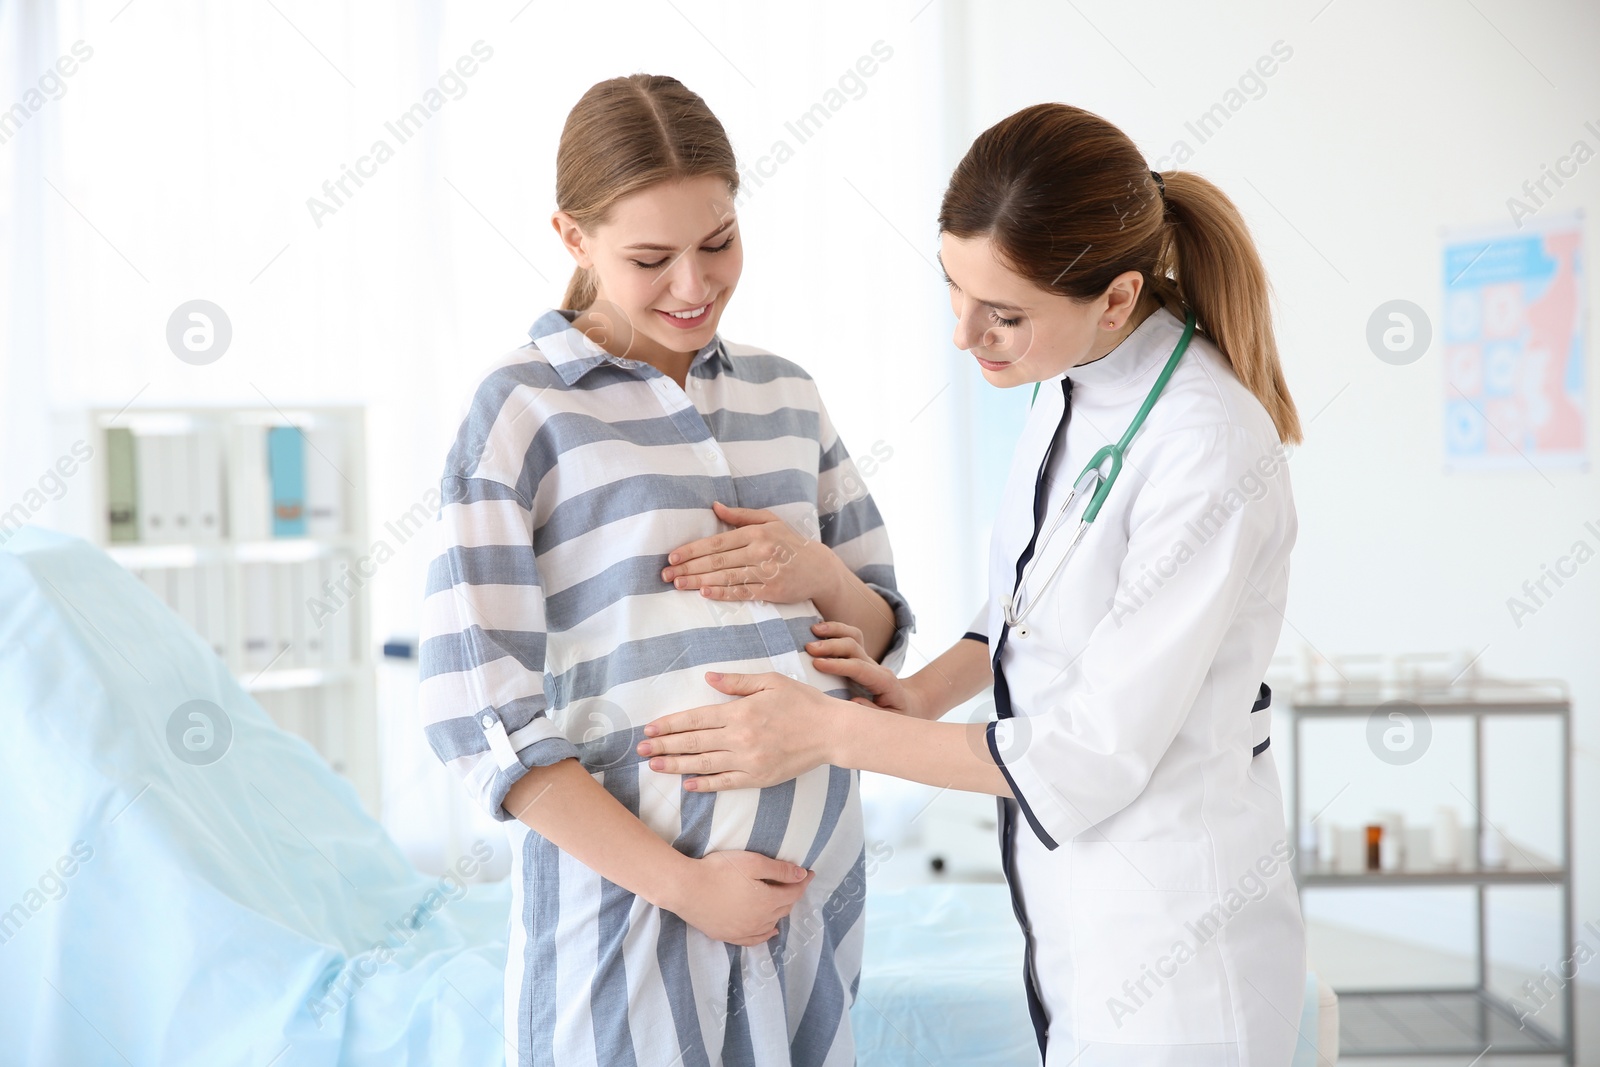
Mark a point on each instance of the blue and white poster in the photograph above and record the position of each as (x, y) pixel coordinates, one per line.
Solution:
(1514, 347)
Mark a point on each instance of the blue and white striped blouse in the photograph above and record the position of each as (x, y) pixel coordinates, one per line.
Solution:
(548, 633)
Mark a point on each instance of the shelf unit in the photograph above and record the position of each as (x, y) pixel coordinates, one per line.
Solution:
(313, 685)
(1453, 1021)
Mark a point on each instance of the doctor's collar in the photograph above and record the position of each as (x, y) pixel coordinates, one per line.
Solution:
(573, 354)
(1146, 348)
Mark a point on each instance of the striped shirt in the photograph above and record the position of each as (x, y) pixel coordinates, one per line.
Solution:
(549, 634)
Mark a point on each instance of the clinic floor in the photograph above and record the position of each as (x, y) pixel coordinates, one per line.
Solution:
(1346, 957)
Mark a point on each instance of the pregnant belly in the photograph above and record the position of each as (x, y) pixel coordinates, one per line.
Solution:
(793, 821)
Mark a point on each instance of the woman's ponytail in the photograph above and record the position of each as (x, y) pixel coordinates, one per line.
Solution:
(580, 290)
(1211, 259)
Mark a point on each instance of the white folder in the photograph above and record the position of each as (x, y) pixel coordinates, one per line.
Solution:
(314, 620)
(205, 481)
(337, 646)
(288, 618)
(214, 601)
(325, 484)
(257, 642)
(178, 489)
(249, 492)
(152, 476)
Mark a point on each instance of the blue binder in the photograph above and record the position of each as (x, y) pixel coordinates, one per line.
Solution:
(286, 466)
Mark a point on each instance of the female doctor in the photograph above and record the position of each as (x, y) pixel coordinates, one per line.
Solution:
(1132, 612)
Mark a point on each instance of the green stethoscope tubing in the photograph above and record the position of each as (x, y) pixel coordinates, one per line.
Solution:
(1106, 480)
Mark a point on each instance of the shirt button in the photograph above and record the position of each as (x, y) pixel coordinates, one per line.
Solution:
(488, 721)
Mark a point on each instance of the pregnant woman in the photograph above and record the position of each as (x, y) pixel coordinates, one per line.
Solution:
(630, 502)
(1131, 612)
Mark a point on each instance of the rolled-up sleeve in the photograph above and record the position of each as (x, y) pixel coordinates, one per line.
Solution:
(482, 694)
(1093, 749)
(849, 523)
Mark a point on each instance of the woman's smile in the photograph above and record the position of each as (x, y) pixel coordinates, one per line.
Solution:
(689, 318)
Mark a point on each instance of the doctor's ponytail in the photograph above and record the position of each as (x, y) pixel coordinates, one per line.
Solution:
(1069, 203)
(624, 135)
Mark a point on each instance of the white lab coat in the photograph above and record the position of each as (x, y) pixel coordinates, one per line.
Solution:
(1163, 923)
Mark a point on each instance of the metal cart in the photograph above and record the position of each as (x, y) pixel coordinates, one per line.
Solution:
(1470, 1021)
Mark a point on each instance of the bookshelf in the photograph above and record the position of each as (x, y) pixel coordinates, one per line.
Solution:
(249, 524)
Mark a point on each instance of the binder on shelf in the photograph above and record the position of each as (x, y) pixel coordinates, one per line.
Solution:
(288, 628)
(338, 645)
(287, 469)
(325, 481)
(314, 622)
(249, 491)
(214, 607)
(257, 641)
(205, 483)
(122, 487)
(177, 486)
(153, 475)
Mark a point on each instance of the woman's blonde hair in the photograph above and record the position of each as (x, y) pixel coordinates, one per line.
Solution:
(624, 135)
(1070, 204)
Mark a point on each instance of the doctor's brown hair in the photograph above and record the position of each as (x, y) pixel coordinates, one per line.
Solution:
(1069, 203)
(624, 135)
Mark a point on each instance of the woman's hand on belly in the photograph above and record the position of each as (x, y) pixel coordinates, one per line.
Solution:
(779, 729)
(738, 897)
(761, 558)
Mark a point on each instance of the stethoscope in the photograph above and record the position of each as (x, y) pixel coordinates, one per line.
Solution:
(1091, 481)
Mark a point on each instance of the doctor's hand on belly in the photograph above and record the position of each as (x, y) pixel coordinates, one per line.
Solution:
(779, 728)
